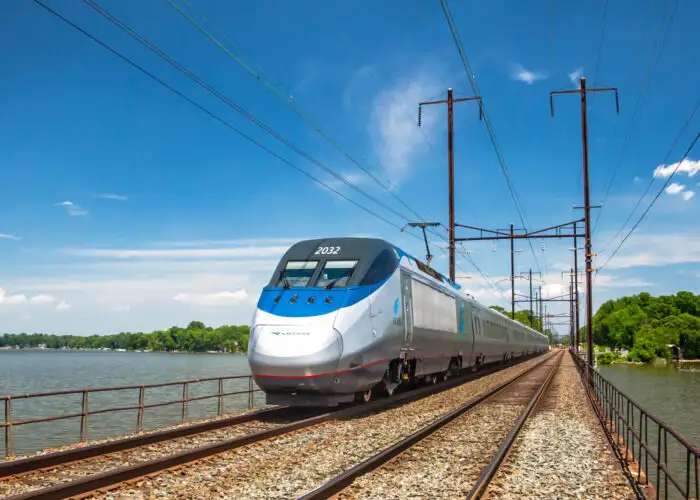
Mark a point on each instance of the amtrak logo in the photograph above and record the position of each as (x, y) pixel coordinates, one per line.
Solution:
(290, 333)
(397, 312)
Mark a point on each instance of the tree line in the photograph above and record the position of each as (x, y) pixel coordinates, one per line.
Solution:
(195, 337)
(527, 318)
(647, 325)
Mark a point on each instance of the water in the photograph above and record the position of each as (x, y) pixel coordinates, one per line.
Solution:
(670, 395)
(24, 372)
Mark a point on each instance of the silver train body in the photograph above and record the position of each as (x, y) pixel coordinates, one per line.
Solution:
(345, 316)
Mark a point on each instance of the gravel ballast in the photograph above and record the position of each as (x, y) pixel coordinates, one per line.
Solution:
(447, 463)
(562, 451)
(31, 481)
(290, 465)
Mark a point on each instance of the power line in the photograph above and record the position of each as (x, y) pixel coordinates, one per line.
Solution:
(651, 181)
(260, 78)
(296, 109)
(492, 135)
(226, 100)
(654, 57)
(697, 136)
(210, 113)
(228, 124)
(600, 44)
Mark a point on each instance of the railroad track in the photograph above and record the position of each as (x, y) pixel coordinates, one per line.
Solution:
(102, 467)
(446, 457)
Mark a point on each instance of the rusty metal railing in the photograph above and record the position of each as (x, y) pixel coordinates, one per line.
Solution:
(9, 425)
(630, 427)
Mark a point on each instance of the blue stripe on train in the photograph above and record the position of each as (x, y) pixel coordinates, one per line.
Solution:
(340, 297)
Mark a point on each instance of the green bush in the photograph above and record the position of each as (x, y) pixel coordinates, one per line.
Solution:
(643, 351)
(605, 358)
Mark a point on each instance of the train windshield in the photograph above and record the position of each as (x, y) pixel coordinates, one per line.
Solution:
(297, 273)
(336, 273)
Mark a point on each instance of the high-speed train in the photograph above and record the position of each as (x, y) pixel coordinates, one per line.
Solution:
(345, 318)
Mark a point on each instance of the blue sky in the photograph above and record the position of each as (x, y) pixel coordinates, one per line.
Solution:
(127, 208)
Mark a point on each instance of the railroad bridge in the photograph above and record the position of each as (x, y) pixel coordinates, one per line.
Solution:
(545, 426)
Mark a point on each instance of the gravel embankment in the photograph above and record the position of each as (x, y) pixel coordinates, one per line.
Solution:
(448, 463)
(59, 474)
(290, 465)
(562, 451)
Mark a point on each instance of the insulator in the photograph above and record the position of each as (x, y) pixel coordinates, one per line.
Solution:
(420, 112)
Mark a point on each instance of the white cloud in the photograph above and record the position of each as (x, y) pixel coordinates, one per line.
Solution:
(62, 306)
(42, 299)
(11, 299)
(72, 208)
(674, 188)
(8, 237)
(217, 299)
(575, 76)
(120, 308)
(637, 179)
(355, 178)
(184, 253)
(644, 249)
(523, 75)
(688, 195)
(232, 242)
(689, 167)
(109, 196)
(395, 131)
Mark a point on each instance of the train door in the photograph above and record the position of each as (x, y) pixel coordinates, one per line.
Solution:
(466, 332)
(407, 301)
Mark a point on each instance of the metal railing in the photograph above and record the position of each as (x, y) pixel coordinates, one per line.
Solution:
(184, 401)
(674, 461)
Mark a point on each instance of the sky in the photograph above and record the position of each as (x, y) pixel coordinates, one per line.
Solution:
(129, 208)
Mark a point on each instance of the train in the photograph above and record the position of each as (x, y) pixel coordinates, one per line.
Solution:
(345, 319)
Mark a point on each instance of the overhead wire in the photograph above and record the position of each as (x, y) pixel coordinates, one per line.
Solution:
(600, 44)
(651, 181)
(492, 135)
(285, 98)
(299, 112)
(228, 101)
(653, 60)
(211, 114)
(658, 194)
(216, 117)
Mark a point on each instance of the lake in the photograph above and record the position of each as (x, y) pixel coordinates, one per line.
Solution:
(24, 372)
(670, 395)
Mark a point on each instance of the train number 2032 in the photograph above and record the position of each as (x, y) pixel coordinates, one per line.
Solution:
(327, 251)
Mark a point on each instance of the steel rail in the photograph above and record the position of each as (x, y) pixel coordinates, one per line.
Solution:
(489, 472)
(112, 478)
(345, 479)
(35, 463)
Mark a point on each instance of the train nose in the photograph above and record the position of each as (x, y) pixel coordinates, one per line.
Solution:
(295, 352)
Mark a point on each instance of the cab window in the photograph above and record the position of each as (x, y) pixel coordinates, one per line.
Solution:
(336, 273)
(385, 264)
(297, 273)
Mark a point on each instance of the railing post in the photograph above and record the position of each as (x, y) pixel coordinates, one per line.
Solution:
(184, 402)
(9, 434)
(139, 417)
(251, 401)
(220, 406)
(84, 418)
(658, 462)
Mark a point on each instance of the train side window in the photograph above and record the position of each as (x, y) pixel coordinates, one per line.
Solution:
(384, 264)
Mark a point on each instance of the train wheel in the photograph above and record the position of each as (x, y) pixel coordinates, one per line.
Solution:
(364, 397)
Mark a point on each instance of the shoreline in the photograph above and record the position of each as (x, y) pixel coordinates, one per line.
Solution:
(115, 351)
